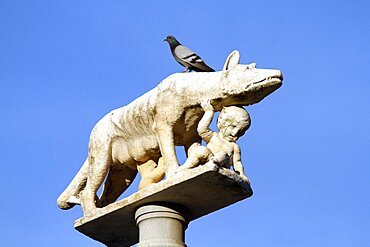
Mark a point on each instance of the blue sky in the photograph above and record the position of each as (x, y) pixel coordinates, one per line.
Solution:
(65, 64)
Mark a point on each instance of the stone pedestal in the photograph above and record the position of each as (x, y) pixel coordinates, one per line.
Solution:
(195, 192)
(161, 226)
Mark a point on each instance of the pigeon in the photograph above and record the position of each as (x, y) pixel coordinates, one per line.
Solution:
(186, 57)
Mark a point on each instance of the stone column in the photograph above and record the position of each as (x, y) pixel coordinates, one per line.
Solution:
(161, 225)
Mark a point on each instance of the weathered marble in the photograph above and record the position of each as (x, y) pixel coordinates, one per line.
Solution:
(222, 148)
(199, 191)
(141, 137)
(161, 225)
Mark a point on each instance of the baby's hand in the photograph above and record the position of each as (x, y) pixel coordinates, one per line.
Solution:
(206, 105)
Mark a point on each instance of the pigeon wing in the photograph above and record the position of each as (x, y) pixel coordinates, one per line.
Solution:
(185, 56)
(190, 59)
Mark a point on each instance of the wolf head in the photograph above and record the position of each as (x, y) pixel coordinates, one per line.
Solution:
(244, 84)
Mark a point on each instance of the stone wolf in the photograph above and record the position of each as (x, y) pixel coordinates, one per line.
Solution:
(141, 137)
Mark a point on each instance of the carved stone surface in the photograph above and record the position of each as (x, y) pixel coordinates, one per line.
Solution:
(141, 137)
(161, 225)
(200, 191)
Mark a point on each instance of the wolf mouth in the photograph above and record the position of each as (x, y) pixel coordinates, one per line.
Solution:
(276, 79)
(271, 81)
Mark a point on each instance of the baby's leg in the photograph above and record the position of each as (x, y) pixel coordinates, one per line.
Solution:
(197, 155)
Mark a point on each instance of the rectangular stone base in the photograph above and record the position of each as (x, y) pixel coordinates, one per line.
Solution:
(200, 190)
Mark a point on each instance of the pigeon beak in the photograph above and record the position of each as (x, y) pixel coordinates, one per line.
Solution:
(165, 39)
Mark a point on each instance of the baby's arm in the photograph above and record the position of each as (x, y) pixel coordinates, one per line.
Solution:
(203, 127)
(237, 162)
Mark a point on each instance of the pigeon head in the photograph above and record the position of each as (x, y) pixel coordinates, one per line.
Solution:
(172, 40)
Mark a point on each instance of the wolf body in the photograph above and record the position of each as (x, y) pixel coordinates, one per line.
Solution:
(141, 137)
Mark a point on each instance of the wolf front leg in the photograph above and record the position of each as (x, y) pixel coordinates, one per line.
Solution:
(165, 137)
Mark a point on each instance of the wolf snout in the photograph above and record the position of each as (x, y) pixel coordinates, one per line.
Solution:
(279, 75)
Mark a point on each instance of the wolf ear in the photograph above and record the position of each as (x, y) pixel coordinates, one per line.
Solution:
(232, 60)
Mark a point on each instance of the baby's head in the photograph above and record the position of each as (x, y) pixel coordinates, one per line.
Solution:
(233, 122)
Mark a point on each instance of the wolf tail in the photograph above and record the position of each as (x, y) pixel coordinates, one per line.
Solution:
(70, 196)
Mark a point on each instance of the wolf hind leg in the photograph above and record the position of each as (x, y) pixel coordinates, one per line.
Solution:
(99, 165)
(118, 180)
